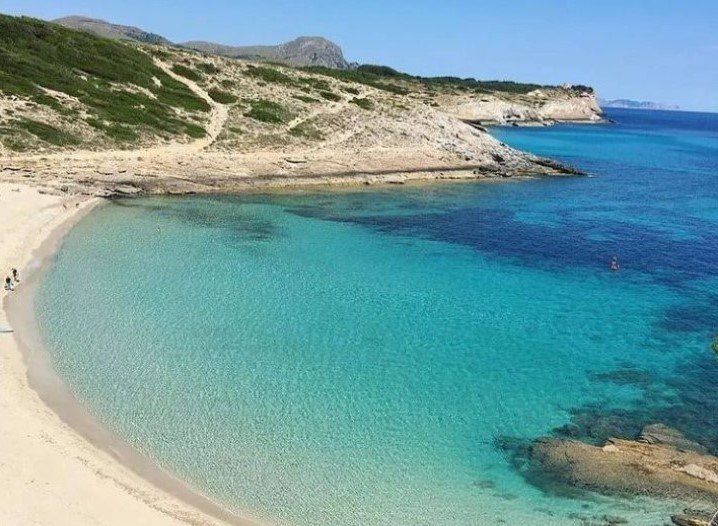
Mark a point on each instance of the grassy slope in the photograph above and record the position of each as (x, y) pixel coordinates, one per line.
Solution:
(114, 84)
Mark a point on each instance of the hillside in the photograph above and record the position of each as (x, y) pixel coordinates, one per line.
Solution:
(108, 30)
(64, 89)
(99, 115)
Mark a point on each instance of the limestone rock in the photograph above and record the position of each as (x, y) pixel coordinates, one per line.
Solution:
(662, 434)
(689, 520)
(653, 470)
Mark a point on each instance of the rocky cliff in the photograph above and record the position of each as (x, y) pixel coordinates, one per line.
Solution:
(539, 107)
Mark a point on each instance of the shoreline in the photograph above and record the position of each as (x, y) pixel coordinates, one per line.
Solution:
(102, 464)
(105, 458)
(125, 173)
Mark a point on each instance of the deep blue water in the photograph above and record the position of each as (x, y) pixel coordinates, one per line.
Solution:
(382, 356)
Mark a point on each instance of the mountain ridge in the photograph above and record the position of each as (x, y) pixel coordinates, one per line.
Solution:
(303, 51)
(106, 29)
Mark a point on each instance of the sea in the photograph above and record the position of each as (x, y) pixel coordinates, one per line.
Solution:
(387, 355)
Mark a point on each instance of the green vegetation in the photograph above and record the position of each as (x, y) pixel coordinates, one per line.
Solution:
(268, 111)
(269, 75)
(160, 54)
(480, 86)
(315, 83)
(380, 71)
(186, 72)
(714, 344)
(305, 131)
(350, 90)
(387, 79)
(195, 131)
(116, 132)
(360, 77)
(328, 95)
(36, 55)
(222, 96)
(48, 133)
(273, 76)
(208, 68)
(17, 135)
(304, 98)
(363, 103)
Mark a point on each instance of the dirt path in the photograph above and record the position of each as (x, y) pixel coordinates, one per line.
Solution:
(218, 116)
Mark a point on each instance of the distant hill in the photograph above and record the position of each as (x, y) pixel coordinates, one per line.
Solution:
(301, 52)
(636, 104)
(108, 30)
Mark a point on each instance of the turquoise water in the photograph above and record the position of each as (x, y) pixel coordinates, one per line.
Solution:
(382, 356)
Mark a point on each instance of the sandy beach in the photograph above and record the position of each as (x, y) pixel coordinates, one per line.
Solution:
(51, 473)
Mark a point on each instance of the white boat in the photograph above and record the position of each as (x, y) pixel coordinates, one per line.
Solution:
(5, 330)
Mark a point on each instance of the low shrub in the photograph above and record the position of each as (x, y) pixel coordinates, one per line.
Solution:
(48, 133)
(222, 96)
(186, 72)
(208, 68)
(328, 95)
(268, 111)
(305, 131)
(363, 103)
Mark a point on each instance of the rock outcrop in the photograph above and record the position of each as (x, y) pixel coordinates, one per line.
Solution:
(539, 107)
(303, 51)
(662, 464)
(659, 434)
(692, 520)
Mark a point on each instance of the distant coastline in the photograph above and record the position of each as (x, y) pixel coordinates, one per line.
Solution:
(637, 105)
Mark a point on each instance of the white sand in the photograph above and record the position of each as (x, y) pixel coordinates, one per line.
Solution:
(49, 474)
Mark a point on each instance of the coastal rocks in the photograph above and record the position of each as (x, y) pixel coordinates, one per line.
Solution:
(556, 166)
(630, 467)
(667, 436)
(541, 107)
(690, 520)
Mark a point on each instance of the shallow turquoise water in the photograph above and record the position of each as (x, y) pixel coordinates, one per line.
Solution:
(379, 356)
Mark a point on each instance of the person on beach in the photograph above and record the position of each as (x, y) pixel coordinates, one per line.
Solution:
(8, 284)
(614, 264)
(16, 275)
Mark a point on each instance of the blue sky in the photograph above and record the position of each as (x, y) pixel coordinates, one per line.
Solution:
(660, 50)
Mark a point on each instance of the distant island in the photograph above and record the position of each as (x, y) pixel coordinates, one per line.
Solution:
(636, 104)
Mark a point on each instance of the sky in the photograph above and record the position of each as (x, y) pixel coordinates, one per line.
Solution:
(658, 50)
